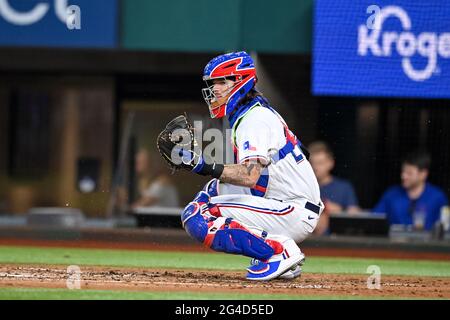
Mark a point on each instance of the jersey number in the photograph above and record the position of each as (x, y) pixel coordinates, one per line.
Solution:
(298, 156)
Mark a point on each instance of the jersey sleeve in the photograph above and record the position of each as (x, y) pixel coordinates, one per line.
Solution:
(253, 141)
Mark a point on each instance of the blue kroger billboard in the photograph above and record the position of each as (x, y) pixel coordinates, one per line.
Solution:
(382, 48)
(58, 23)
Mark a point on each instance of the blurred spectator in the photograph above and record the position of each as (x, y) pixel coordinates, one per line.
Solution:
(155, 189)
(416, 202)
(337, 194)
(154, 184)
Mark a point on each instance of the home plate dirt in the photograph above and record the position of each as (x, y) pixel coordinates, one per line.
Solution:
(138, 279)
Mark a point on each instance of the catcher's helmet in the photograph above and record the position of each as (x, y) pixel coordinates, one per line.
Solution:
(237, 66)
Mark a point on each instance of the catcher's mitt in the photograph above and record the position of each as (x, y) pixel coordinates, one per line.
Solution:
(177, 144)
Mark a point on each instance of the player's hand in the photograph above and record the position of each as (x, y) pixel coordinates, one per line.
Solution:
(177, 144)
(190, 160)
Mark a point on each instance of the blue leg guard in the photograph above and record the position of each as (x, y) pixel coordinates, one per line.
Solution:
(223, 234)
(193, 221)
(238, 241)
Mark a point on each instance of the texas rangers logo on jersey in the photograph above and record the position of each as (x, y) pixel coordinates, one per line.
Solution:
(247, 146)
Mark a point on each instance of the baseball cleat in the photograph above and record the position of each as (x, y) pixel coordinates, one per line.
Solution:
(294, 272)
(277, 265)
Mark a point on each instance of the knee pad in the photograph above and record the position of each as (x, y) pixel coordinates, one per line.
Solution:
(202, 198)
(232, 237)
(212, 187)
(194, 222)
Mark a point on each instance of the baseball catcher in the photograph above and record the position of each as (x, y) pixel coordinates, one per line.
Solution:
(268, 200)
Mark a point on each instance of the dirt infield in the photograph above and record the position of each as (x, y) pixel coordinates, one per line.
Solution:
(138, 279)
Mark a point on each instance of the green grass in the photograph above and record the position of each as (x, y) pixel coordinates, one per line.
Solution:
(210, 261)
(387, 266)
(66, 294)
(190, 260)
(123, 258)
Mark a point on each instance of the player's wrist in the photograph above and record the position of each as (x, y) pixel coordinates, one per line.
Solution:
(205, 169)
(214, 170)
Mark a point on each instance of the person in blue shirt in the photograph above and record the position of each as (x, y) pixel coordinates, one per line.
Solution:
(416, 202)
(337, 194)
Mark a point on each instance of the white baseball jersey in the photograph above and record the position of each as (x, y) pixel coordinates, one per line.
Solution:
(278, 204)
(260, 133)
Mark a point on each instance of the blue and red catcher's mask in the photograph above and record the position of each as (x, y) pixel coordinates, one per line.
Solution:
(235, 66)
